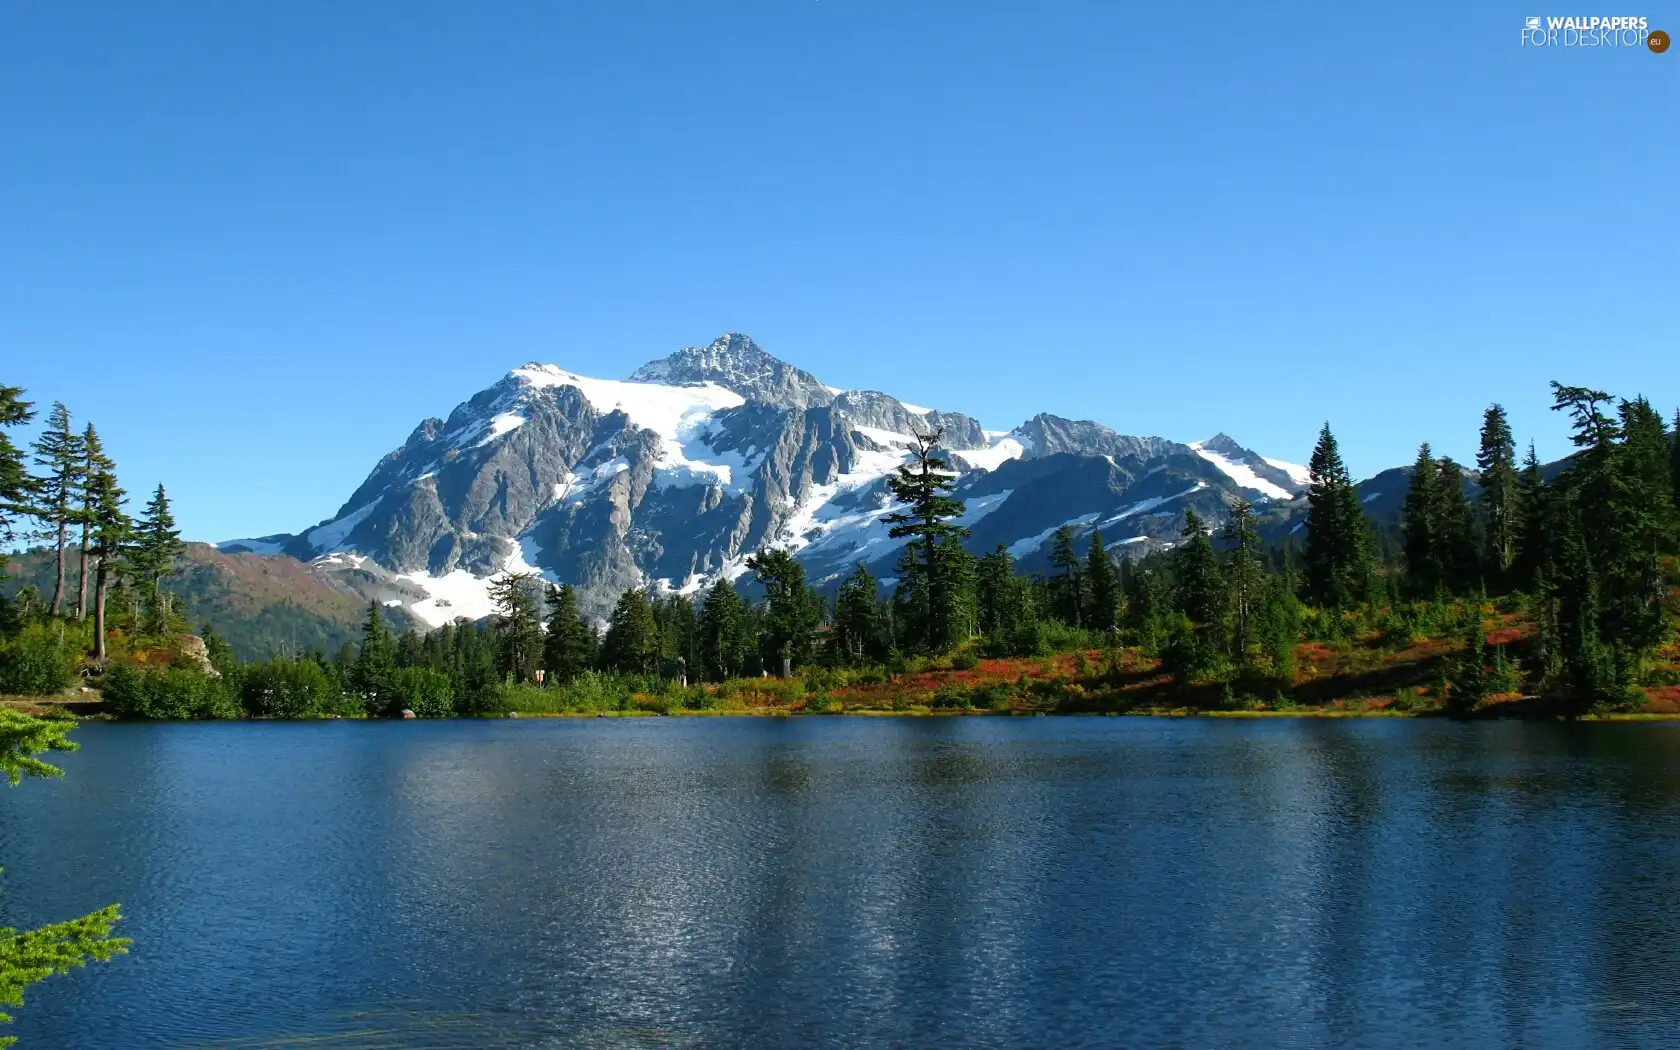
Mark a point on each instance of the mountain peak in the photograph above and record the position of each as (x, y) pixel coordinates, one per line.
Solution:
(734, 362)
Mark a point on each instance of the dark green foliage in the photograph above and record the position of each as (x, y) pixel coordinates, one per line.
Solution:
(860, 634)
(1530, 554)
(1469, 680)
(632, 642)
(726, 644)
(930, 584)
(166, 693)
(59, 453)
(427, 693)
(29, 956)
(570, 643)
(1102, 585)
(1068, 586)
(517, 627)
(791, 611)
(1246, 577)
(290, 689)
(17, 486)
(39, 660)
(1337, 557)
(1496, 460)
(151, 557)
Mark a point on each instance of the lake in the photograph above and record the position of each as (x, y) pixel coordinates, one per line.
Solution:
(859, 882)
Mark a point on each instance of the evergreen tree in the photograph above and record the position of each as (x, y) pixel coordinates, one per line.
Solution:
(1069, 584)
(1673, 463)
(1530, 554)
(111, 530)
(1420, 520)
(1007, 613)
(1457, 557)
(370, 677)
(1102, 583)
(1149, 606)
(791, 611)
(1469, 675)
(725, 637)
(632, 642)
(570, 644)
(517, 627)
(1337, 557)
(923, 485)
(58, 451)
(94, 463)
(1246, 574)
(857, 620)
(151, 556)
(1496, 460)
(17, 487)
(1201, 587)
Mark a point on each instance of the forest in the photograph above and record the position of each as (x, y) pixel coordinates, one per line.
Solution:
(1504, 587)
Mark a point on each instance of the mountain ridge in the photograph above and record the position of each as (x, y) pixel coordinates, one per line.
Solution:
(673, 477)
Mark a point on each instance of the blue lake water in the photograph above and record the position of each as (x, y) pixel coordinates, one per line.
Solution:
(855, 882)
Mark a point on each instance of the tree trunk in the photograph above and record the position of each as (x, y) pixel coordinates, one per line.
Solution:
(81, 577)
(58, 586)
(99, 615)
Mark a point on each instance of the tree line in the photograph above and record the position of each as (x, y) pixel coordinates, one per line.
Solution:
(1585, 553)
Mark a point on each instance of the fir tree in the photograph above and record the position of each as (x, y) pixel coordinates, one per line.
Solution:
(17, 487)
(725, 640)
(59, 452)
(1007, 613)
(570, 643)
(517, 626)
(1530, 553)
(1102, 583)
(94, 463)
(1070, 586)
(923, 485)
(1337, 557)
(111, 530)
(1245, 573)
(1457, 554)
(1420, 520)
(370, 678)
(151, 556)
(791, 612)
(857, 620)
(1496, 460)
(1201, 587)
(632, 642)
(1673, 461)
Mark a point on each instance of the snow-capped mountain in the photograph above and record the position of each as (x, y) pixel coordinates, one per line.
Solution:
(673, 477)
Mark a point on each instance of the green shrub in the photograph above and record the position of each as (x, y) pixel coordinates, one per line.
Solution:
(40, 660)
(951, 695)
(965, 661)
(426, 692)
(289, 689)
(166, 693)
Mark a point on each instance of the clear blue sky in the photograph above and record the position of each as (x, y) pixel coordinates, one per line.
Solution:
(257, 243)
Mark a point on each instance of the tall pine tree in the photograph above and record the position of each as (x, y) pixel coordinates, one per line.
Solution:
(17, 485)
(111, 529)
(1102, 584)
(152, 555)
(1338, 553)
(632, 642)
(94, 462)
(1496, 460)
(791, 611)
(924, 485)
(517, 626)
(58, 451)
(569, 644)
(725, 634)
(1245, 574)
(1420, 521)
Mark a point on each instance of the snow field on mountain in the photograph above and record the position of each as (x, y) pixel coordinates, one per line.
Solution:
(1241, 473)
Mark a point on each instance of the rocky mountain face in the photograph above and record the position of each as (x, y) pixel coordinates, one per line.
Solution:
(672, 478)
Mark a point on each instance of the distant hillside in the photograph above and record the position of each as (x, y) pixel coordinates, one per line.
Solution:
(262, 605)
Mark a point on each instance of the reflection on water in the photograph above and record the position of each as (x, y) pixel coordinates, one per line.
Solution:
(860, 882)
